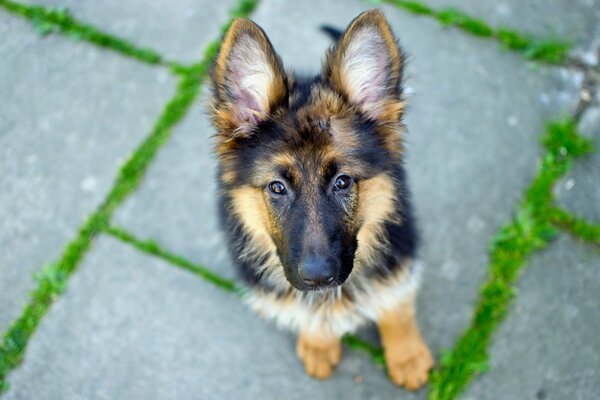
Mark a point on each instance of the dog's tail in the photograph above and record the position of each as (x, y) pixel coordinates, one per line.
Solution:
(334, 33)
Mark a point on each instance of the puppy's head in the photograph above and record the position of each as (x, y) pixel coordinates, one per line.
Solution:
(307, 165)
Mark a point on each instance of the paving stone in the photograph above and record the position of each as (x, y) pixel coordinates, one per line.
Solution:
(178, 29)
(579, 191)
(176, 204)
(576, 21)
(475, 117)
(131, 327)
(548, 346)
(70, 114)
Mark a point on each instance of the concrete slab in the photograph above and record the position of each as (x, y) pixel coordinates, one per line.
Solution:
(176, 204)
(548, 346)
(579, 191)
(475, 116)
(70, 114)
(575, 21)
(178, 29)
(131, 327)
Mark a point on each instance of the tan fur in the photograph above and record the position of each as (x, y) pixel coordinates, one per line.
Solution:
(407, 357)
(376, 205)
(267, 81)
(319, 353)
(342, 133)
(343, 76)
(249, 205)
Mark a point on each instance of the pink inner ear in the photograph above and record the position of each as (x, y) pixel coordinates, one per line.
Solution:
(246, 104)
(248, 82)
(366, 69)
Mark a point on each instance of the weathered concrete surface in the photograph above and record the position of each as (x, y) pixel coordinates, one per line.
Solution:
(573, 21)
(548, 346)
(178, 29)
(579, 191)
(70, 115)
(132, 327)
(176, 204)
(474, 120)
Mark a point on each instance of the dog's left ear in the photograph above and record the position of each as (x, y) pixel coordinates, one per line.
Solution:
(248, 79)
(366, 64)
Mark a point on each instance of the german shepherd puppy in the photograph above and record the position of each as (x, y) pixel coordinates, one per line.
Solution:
(313, 192)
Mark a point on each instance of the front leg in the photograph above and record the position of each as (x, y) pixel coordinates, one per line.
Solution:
(319, 352)
(406, 354)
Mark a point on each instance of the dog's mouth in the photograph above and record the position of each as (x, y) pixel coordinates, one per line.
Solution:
(330, 294)
(322, 287)
(303, 286)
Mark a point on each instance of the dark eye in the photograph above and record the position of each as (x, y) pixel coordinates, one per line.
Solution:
(277, 187)
(342, 182)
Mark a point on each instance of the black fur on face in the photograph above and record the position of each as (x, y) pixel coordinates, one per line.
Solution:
(315, 235)
(310, 169)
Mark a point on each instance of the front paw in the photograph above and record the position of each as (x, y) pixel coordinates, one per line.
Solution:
(319, 356)
(408, 362)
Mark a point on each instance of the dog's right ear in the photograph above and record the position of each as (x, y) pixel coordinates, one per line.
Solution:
(365, 65)
(248, 80)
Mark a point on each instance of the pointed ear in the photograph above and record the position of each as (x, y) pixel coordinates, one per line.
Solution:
(248, 79)
(366, 64)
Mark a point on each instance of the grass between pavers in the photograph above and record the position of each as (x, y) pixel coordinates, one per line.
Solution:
(534, 226)
(152, 248)
(46, 20)
(575, 225)
(551, 51)
(532, 229)
(53, 278)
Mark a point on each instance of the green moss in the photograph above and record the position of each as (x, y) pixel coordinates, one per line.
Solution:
(51, 282)
(154, 249)
(53, 279)
(48, 20)
(577, 226)
(512, 40)
(414, 7)
(563, 141)
(548, 51)
(532, 229)
(243, 9)
(455, 17)
(357, 344)
(543, 50)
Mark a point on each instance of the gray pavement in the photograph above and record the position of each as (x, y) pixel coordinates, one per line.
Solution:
(70, 115)
(548, 346)
(579, 191)
(176, 204)
(177, 29)
(574, 20)
(131, 326)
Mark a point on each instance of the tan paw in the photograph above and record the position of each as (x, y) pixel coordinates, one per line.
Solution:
(319, 356)
(409, 363)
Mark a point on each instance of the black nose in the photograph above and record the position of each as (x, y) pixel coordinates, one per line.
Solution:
(318, 271)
